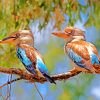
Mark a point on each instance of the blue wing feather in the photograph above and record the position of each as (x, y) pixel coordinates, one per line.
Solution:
(41, 66)
(25, 60)
(94, 59)
(74, 56)
(22, 55)
(78, 59)
(43, 69)
(31, 67)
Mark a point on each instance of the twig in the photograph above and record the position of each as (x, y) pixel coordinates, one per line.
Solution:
(10, 87)
(38, 91)
(7, 97)
(2, 96)
(11, 81)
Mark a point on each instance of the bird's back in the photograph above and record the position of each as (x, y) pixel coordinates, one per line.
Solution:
(34, 56)
(34, 59)
(82, 48)
(83, 53)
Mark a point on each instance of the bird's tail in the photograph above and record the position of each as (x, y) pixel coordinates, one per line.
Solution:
(50, 79)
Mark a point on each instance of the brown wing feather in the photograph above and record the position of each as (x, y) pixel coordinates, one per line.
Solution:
(29, 52)
(93, 48)
(80, 48)
(39, 54)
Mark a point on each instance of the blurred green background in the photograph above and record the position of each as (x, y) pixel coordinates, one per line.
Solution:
(43, 17)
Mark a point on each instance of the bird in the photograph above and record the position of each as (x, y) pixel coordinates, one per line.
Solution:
(33, 61)
(82, 53)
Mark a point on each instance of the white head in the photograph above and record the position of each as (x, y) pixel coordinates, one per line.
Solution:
(70, 33)
(20, 37)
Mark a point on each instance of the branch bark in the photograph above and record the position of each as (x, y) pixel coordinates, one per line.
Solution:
(9, 82)
(32, 78)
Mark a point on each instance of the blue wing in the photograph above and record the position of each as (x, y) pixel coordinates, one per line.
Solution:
(82, 62)
(41, 66)
(33, 62)
(76, 58)
(25, 60)
(43, 69)
(94, 59)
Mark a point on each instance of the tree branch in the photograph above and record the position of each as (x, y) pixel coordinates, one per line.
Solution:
(32, 78)
(9, 82)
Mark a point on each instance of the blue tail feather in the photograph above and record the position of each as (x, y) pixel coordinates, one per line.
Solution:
(51, 80)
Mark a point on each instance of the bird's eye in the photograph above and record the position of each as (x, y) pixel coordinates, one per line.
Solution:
(17, 35)
(68, 31)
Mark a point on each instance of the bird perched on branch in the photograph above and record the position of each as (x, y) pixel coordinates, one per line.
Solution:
(28, 55)
(81, 52)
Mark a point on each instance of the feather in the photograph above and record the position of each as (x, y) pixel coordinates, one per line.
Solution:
(37, 65)
(43, 69)
(83, 53)
(26, 61)
(93, 57)
(74, 56)
(23, 57)
(51, 80)
(41, 66)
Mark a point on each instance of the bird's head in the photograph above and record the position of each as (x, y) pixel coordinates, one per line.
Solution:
(70, 33)
(22, 36)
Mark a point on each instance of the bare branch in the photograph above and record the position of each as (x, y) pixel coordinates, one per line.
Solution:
(32, 78)
(9, 82)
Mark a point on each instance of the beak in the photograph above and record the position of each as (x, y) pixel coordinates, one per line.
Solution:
(61, 34)
(7, 40)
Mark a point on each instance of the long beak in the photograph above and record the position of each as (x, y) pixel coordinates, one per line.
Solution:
(7, 40)
(61, 34)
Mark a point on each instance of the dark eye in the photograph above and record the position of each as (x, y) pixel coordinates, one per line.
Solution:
(68, 32)
(17, 35)
(72, 32)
